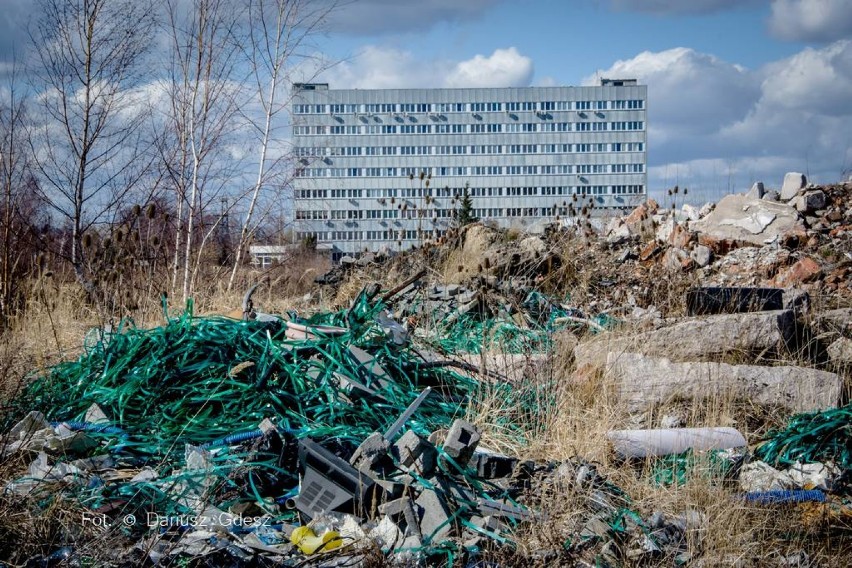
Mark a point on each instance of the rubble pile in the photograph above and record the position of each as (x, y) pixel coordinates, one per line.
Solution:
(350, 437)
(639, 265)
(799, 238)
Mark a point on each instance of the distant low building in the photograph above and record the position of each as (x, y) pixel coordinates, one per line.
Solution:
(263, 256)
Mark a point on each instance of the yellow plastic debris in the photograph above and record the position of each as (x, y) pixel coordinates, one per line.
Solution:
(308, 542)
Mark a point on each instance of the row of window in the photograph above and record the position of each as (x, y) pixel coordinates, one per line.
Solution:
(403, 193)
(446, 171)
(386, 235)
(323, 151)
(545, 106)
(494, 128)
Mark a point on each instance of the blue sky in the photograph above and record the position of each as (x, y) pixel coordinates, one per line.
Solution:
(739, 90)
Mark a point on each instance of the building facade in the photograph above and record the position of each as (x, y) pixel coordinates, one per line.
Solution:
(386, 168)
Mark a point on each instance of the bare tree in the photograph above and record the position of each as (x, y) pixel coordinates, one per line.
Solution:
(90, 150)
(203, 94)
(279, 32)
(16, 208)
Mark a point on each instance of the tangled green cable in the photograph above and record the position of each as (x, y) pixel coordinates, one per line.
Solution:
(810, 438)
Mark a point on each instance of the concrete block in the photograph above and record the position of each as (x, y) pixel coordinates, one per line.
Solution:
(718, 300)
(839, 321)
(503, 509)
(793, 182)
(757, 190)
(412, 520)
(701, 255)
(642, 381)
(461, 441)
(492, 466)
(414, 452)
(372, 451)
(396, 507)
(700, 338)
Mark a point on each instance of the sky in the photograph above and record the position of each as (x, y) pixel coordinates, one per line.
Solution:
(738, 90)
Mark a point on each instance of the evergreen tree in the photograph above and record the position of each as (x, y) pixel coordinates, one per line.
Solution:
(464, 214)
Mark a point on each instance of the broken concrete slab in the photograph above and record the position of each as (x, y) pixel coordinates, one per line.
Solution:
(739, 220)
(700, 338)
(618, 234)
(640, 221)
(753, 262)
(435, 516)
(680, 236)
(691, 212)
(793, 183)
(366, 362)
(665, 228)
(643, 381)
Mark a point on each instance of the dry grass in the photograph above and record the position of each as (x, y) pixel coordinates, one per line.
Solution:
(572, 418)
(579, 412)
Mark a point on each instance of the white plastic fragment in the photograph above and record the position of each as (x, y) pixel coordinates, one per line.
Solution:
(95, 415)
(813, 475)
(760, 476)
(386, 535)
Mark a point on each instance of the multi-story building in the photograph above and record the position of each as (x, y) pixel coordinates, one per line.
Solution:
(386, 168)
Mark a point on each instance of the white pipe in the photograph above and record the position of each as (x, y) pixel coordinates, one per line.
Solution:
(666, 441)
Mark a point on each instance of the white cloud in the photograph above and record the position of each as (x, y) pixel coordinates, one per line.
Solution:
(504, 68)
(811, 20)
(722, 126)
(818, 81)
(389, 68)
(690, 93)
(678, 7)
(546, 81)
(383, 68)
(366, 17)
